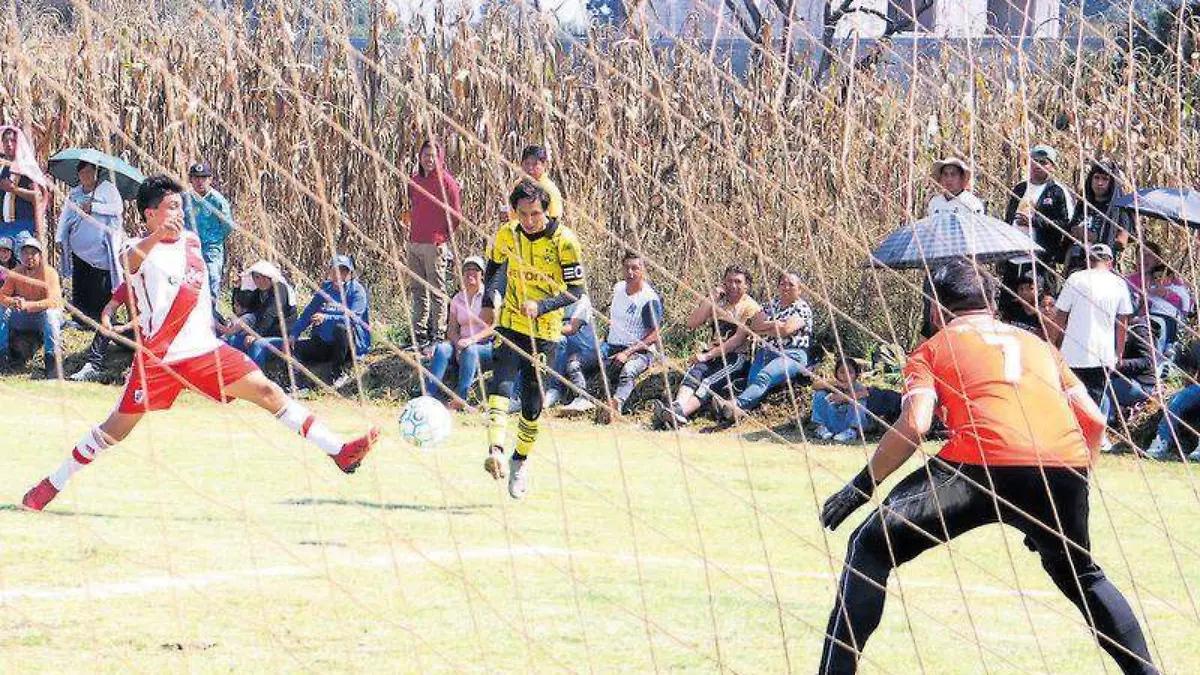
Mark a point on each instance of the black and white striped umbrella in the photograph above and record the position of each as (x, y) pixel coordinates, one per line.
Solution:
(935, 241)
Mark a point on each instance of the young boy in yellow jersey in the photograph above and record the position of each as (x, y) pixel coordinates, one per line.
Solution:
(534, 161)
(536, 265)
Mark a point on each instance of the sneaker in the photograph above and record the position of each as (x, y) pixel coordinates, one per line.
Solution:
(823, 432)
(605, 414)
(846, 436)
(343, 380)
(581, 404)
(518, 476)
(1106, 445)
(1161, 450)
(494, 464)
(88, 373)
(42, 494)
(659, 415)
(355, 451)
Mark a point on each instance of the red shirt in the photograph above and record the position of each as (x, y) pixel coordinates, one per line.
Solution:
(435, 207)
(1002, 393)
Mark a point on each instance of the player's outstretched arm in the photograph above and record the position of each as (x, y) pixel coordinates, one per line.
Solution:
(896, 446)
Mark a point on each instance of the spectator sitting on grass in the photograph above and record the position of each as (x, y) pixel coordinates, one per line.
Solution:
(839, 408)
(634, 316)
(468, 338)
(1135, 378)
(784, 326)
(729, 310)
(1177, 432)
(8, 258)
(578, 347)
(339, 315)
(265, 304)
(31, 300)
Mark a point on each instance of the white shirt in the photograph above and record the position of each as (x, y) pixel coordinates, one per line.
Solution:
(154, 288)
(1093, 298)
(89, 237)
(626, 323)
(964, 203)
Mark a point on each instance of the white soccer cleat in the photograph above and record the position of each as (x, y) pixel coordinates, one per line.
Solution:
(581, 404)
(87, 373)
(1160, 450)
(846, 436)
(518, 476)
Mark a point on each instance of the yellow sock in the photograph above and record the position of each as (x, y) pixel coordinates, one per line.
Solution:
(527, 433)
(497, 419)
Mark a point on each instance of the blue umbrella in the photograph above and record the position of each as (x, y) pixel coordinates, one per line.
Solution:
(65, 167)
(1180, 205)
(934, 241)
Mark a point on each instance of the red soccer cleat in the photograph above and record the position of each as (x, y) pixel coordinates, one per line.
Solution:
(352, 453)
(40, 496)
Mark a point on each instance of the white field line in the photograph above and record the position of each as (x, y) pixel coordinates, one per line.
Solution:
(160, 583)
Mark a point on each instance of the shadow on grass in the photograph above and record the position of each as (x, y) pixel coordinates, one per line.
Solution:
(453, 509)
(16, 508)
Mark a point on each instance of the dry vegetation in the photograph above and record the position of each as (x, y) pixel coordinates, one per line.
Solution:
(661, 151)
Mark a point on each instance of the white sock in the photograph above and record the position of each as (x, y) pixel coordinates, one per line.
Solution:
(85, 451)
(301, 420)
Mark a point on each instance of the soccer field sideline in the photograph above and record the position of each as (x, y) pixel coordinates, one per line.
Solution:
(409, 499)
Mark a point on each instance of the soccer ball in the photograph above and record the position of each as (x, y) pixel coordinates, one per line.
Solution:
(425, 422)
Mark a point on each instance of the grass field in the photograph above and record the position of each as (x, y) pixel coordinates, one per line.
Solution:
(214, 541)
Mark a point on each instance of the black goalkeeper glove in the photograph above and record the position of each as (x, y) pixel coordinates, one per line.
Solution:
(842, 503)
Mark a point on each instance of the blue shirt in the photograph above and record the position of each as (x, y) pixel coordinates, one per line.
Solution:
(355, 310)
(209, 217)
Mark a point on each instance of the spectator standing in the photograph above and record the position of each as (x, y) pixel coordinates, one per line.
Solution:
(1041, 207)
(23, 185)
(468, 337)
(953, 176)
(535, 162)
(839, 407)
(207, 213)
(90, 234)
(729, 309)
(1096, 220)
(266, 305)
(434, 198)
(340, 317)
(31, 299)
(784, 327)
(1093, 309)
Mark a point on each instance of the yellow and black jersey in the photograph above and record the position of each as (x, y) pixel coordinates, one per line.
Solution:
(538, 268)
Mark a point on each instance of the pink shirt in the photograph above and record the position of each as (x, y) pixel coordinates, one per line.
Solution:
(466, 313)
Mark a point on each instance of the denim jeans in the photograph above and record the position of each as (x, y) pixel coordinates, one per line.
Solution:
(1183, 413)
(838, 417)
(259, 350)
(48, 323)
(214, 262)
(470, 360)
(1124, 394)
(590, 360)
(769, 370)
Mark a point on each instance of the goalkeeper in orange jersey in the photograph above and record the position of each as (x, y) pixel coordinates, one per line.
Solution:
(1024, 434)
(535, 264)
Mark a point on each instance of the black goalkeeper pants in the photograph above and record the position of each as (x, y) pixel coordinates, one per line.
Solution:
(940, 501)
(516, 359)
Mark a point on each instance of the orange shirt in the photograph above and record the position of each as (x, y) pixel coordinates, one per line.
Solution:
(41, 289)
(1002, 394)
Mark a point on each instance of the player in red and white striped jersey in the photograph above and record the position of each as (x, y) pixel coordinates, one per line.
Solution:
(169, 301)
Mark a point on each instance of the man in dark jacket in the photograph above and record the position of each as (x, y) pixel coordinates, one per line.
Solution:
(1042, 207)
(266, 308)
(1096, 220)
(1136, 376)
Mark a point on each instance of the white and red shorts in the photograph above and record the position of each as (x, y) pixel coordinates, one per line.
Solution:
(155, 386)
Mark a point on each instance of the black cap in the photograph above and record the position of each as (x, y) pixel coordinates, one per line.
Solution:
(200, 170)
